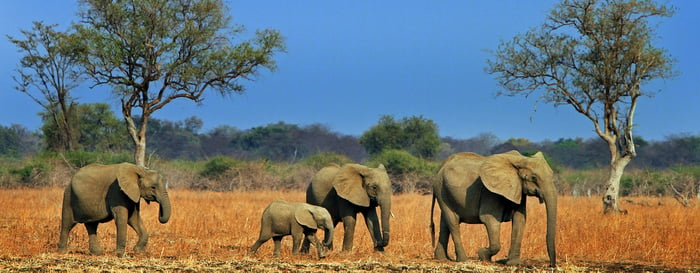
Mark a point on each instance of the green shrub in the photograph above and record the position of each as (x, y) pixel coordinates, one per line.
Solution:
(80, 158)
(407, 172)
(32, 174)
(217, 166)
(400, 162)
(320, 160)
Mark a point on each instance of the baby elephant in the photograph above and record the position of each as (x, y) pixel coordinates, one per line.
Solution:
(282, 218)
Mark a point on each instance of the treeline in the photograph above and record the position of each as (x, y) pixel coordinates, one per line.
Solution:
(283, 142)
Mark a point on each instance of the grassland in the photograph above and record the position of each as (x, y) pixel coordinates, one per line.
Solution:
(211, 231)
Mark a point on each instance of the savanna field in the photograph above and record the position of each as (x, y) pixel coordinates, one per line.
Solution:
(211, 232)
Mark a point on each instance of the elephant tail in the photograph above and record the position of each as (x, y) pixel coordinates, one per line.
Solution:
(432, 222)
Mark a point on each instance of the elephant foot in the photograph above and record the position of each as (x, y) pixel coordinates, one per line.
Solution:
(440, 254)
(515, 261)
(461, 258)
(97, 251)
(139, 249)
(485, 254)
(62, 250)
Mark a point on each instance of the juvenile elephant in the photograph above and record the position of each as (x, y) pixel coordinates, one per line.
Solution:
(489, 190)
(100, 193)
(282, 218)
(351, 189)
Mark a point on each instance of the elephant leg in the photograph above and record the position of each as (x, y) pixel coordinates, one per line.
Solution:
(67, 222)
(451, 220)
(493, 229)
(278, 245)
(66, 227)
(372, 222)
(443, 240)
(305, 245)
(121, 218)
(519, 219)
(93, 241)
(349, 228)
(136, 223)
(258, 243)
(296, 242)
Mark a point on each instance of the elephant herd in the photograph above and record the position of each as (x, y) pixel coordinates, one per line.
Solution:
(469, 188)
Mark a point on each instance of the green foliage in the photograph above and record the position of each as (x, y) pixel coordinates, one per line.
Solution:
(416, 134)
(32, 174)
(100, 129)
(400, 162)
(278, 141)
(217, 166)
(320, 160)
(9, 142)
(81, 158)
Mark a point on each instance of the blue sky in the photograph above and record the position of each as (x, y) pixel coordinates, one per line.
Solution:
(350, 62)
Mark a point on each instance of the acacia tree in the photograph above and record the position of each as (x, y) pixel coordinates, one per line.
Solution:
(594, 56)
(48, 71)
(152, 52)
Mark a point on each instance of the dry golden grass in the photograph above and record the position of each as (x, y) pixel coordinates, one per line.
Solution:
(211, 231)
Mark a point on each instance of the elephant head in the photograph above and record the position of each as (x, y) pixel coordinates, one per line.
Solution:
(513, 175)
(137, 183)
(317, 218)
(367, 187)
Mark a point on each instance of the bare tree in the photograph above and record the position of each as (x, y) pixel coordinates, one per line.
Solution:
(594, 56)
(48, 71)
(152, 52)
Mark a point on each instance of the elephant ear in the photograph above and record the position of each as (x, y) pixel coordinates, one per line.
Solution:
(348, 184)
(500, 176)
(305, 217)
(128, 177)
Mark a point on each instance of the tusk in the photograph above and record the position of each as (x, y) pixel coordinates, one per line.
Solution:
(392, 214)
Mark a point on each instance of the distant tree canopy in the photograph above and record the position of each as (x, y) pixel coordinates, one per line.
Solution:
(97, 129)
(417, 135)
(183, 140)
(16, 141)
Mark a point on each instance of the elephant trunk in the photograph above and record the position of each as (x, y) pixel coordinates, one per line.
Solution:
(385, 214)
(550, 200)
(328, 237)
(164, 212)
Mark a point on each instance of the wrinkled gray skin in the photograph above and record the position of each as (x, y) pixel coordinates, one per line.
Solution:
(351, 189)
(100, 193)
(300, 220)
(489, 190)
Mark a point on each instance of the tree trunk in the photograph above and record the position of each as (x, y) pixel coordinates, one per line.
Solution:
(612, 193)
(138, 136)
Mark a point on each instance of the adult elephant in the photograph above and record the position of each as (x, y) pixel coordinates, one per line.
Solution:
(489, 190)
(100, 193)
(351, 189)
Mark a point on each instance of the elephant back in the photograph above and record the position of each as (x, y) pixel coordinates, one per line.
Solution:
(321, 184)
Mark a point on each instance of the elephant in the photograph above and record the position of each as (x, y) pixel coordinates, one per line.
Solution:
(488, 190)
(300, 220)
(351, 189)
(99, 193)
